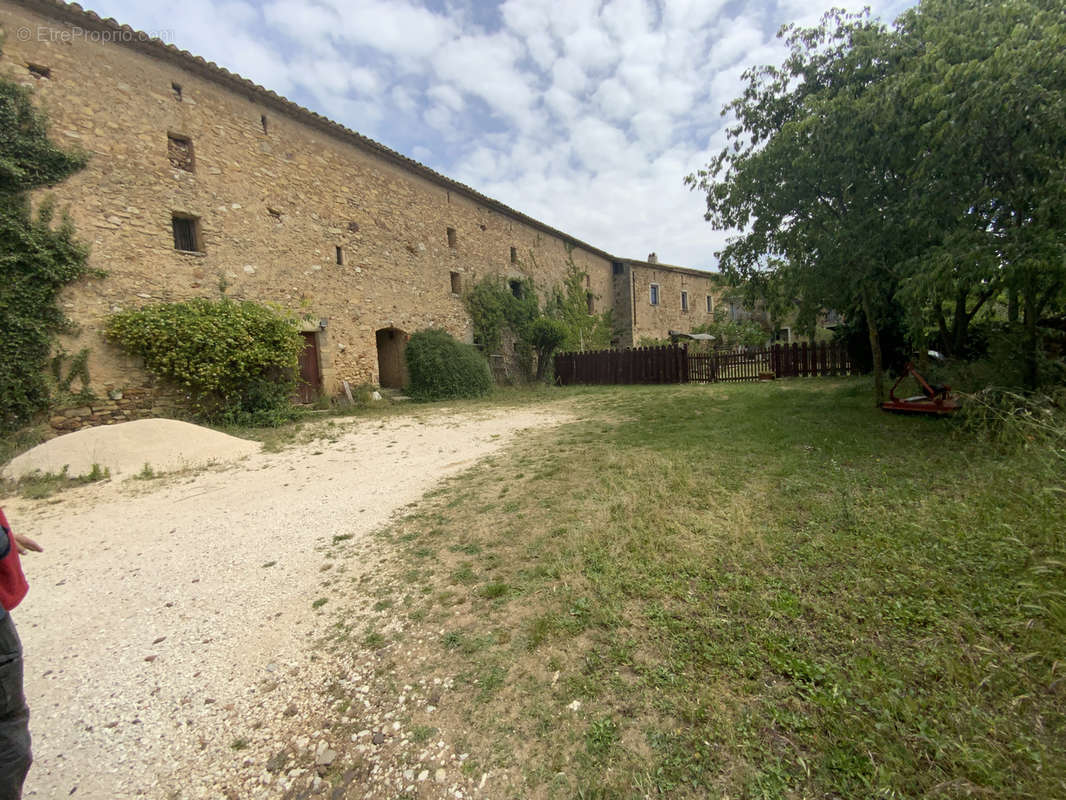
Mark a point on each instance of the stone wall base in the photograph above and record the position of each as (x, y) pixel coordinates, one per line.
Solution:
(116, 406)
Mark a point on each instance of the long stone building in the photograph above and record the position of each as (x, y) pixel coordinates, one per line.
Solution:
(199, 178)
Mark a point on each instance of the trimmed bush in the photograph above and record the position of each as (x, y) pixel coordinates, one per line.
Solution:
(441, 367)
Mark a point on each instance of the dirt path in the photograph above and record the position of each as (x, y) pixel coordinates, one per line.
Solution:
(164, 613)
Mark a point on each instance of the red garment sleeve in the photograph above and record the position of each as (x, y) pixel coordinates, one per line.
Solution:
(13, 586)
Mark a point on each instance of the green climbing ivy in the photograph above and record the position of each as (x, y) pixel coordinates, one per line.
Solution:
(496, 304)
(38, 255)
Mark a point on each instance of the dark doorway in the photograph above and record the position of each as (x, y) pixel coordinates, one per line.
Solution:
(392, 368)
(310, 374)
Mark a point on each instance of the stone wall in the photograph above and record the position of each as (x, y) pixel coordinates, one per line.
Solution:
(280, 206)
(656, 320)
(117, 407)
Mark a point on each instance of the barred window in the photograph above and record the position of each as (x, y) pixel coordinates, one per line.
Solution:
(186, 233)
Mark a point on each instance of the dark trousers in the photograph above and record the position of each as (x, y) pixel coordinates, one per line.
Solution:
(15, 756)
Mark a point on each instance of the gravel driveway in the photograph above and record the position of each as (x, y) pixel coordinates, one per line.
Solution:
(160, 608)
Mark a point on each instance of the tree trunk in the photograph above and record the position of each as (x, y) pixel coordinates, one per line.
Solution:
(1030, 369)
(542, 364)
(875, 347)
(1012, 304)
(961, 324)
(944, 339)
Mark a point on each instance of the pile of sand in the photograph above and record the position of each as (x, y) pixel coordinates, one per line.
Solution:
(164, 444)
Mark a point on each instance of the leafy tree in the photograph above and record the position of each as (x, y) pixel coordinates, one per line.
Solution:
(922, 166)
(37, 257)
(984, 86)
(546, 335)
(811, 172)
(732, 333)
(569, 303)
(496, 304)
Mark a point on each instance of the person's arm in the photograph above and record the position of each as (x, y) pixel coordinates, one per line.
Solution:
(25, 544)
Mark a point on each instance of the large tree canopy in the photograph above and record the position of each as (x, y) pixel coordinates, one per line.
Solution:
(921, 164)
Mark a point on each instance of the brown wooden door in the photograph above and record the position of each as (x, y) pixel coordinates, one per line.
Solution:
(310, 375)
(392, 364)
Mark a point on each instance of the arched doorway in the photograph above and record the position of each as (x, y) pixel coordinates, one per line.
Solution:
(392, 368)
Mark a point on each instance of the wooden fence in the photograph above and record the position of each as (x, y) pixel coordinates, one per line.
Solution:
(674, 364)
(636, 365)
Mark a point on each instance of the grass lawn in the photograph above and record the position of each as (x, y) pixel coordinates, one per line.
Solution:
(757, 590)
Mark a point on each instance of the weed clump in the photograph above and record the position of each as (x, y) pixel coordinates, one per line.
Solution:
(442, 368)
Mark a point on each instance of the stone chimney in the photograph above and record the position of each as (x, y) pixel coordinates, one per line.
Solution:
(652, 258)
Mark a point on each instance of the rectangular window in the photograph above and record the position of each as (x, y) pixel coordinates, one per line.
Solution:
(37, 70)
(186, 233)
(452, 238)
(516, 288)
(179, 151)
(176, 89)
(457, 283)
(340, 256)
(653, 295)
(263, 122)
(710, 305)
(590, 300)
(617, 268)
(684, 301)
(514, 255)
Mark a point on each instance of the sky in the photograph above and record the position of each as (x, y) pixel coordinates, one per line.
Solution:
(583, 114)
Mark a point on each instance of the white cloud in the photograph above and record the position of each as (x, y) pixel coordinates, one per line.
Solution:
(568, 75)
(485, 66)
(402, 99)
(447, 96)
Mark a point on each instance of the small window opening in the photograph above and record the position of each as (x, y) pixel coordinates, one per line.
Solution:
(653, 295)
(514, 255)
(186, 233)
(340, 256)
(39, 71)
(684, 301)
(452, 238)
(590, 300)
(516, 288)
(263, 122)
(176, 89)
(179, 151)
(617, 268)
(457, 283)
(710, 304)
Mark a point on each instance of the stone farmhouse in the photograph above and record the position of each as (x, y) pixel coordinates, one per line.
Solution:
(199, 178)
